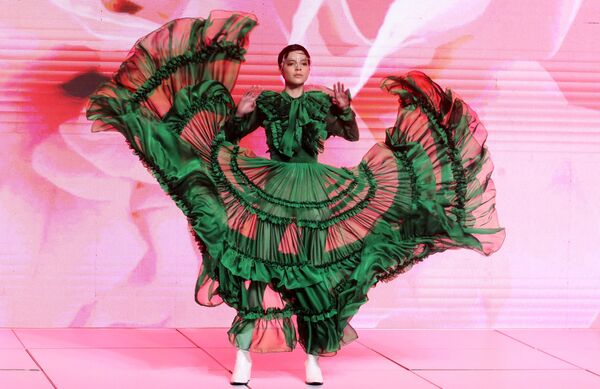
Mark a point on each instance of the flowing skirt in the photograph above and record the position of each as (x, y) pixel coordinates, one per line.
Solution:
(295, 247)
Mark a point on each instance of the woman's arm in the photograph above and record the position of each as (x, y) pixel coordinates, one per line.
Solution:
(342, 120)
(246, 117)
(238, 127)
(342, 123)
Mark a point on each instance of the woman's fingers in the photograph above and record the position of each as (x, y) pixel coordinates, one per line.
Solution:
(340, 95)
(339, 90)
(253, 92)
(247, 103)
(256, 90)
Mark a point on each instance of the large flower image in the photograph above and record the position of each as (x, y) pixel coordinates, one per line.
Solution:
(90, 239)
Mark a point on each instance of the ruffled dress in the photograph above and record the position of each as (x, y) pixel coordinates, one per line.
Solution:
(292, 244)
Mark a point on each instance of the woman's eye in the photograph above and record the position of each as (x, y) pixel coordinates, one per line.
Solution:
(293, 64)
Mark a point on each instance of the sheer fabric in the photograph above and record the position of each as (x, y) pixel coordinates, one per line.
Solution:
(292, 244)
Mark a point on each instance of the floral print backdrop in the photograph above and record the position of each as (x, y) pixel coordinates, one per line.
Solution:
(88, 238)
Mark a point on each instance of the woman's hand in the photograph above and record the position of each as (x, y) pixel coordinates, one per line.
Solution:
(247, 103)
(341, 97)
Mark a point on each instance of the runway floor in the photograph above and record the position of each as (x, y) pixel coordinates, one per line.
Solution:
(202, 358)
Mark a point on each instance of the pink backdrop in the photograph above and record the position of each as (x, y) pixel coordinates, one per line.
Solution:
(88, 238)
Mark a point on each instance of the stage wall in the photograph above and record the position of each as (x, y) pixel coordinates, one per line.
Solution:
(88, 238)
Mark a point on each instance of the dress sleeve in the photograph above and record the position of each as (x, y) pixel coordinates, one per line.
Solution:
(342, 123)
(238, 127)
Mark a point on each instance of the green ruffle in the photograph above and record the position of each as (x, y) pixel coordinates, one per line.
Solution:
(413, 97)
(315, 317)
(239, 174)
(207, 96)
(266, 314)
(249, 204)
(313, 127)
(289, 276)
(420, 220)
(212, 52)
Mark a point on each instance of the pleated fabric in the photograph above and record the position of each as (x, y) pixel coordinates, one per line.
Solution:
(295, 246)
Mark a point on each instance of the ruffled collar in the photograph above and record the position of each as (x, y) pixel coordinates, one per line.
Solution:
(295, 121)
(286, 97)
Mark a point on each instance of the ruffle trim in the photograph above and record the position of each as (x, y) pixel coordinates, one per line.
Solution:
(276, 109)
(286, 312)
(208, 96)
(412, 96)
(266, 314)
(229, 50)
(290, 276)
(171, 188)
(220, 177)
(156, 57)
(288, 203)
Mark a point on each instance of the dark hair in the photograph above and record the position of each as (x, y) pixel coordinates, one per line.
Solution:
(287, 49)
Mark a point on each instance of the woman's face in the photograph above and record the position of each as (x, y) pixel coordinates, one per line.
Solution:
(295, 68)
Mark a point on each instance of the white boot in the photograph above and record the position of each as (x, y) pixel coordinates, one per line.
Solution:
(243, 366)
(313, 371)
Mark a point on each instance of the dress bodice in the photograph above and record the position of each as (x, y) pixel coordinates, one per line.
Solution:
(295, 128)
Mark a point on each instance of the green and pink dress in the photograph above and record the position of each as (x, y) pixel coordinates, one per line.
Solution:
(292, 244)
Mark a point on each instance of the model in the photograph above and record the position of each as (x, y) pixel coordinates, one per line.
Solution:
(287, 237)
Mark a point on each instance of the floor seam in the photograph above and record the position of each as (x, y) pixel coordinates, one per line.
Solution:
(399, 364)
(202, 348)
(19, 369)
(41, 369)
(33, 359)
(543, 351)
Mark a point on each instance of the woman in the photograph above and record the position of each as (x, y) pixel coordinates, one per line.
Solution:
(294, 66)
(287, 236)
